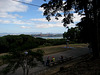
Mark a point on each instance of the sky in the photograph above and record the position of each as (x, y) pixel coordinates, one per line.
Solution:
(16, 17)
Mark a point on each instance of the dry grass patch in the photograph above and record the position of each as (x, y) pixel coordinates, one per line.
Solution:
(52, 49)
(78, 45)
(59, 48)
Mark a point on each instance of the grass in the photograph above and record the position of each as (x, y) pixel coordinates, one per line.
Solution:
(54, 49)
(78, 45)
(59, 48)
(1, 61)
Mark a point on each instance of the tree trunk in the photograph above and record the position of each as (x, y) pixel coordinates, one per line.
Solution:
(27, 71)
(94, 26)
(95, 49)
(23, 71)
(96, 31)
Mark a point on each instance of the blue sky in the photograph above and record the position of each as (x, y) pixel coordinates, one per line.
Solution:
(16, 17)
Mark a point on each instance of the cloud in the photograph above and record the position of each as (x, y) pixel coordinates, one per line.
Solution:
(28, 1)
(6, 15)
(71, 25)
(9, 6)
(56, 23)
(22, 22)
(25, 27)
(77, 18)
(50, 25)
(44, 19)
(15, 21)
(12, 6)
(7, 9)
(41, 9)
(5, 21)
(39, 19)
(42, 22)
(44, 25)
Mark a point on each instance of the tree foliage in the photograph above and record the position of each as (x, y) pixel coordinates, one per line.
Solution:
(22, 42)
(67, 7)
(25, 59)
(73, 34)
(11, 43)
(20, 55)
(89, 26)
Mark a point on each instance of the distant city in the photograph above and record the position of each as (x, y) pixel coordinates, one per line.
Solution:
(36, 34)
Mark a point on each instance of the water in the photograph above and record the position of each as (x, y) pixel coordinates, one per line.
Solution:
(52, 37)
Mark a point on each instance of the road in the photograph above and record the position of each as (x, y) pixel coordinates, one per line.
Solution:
(74, 52)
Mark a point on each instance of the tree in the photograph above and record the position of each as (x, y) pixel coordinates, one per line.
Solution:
(85, 27)
(89, 8)
(4, 45)
(25, 59)
(10, 43)
(73, 34)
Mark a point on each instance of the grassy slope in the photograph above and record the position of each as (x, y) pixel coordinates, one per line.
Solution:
(53, 49)
(59, 48)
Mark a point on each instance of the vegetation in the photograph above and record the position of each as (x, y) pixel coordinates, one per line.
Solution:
(25, 59)
(11, 43)
(19, 53)
(21, 42)
(89, 25)
(59, 48)
(54, 42)
(73, 35)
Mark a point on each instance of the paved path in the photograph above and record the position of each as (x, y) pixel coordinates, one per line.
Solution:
(73, 52)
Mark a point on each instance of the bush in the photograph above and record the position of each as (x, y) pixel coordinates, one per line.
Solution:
(22, 42)
(10, 43)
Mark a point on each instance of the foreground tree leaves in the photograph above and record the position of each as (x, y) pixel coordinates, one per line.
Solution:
(89, 8)
(25, 59)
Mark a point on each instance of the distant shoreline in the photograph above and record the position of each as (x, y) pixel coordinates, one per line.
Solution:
(43, 36)
(52, 37)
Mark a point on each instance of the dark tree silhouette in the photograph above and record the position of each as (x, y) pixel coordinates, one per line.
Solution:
(24, 59)
(73, 34)
(89, 25)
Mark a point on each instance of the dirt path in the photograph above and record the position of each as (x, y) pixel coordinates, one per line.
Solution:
(74, 52)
